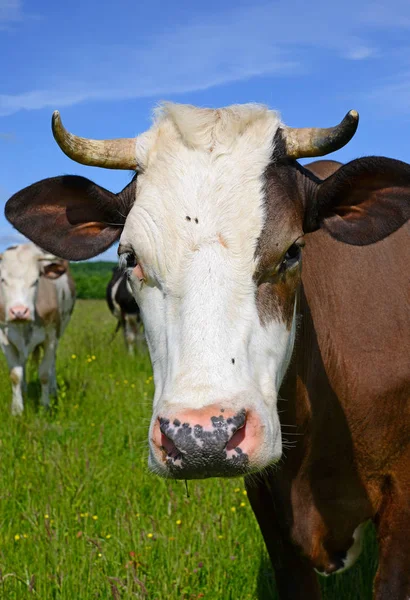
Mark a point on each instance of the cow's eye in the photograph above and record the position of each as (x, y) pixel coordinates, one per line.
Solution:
(292, 255)
(131, 260)
(128, 260)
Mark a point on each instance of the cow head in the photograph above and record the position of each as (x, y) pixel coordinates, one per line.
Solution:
(211, 233)
(20, 270)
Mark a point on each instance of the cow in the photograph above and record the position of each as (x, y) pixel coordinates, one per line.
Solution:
(37, 296)
(247, 346)
(122, 305)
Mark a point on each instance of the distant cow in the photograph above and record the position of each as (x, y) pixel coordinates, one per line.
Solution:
(123, 306)
(37, 296)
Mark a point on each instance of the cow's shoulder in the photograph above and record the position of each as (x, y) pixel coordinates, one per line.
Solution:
(47, 301)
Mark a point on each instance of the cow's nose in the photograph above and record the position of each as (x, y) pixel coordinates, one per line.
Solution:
(19, 312)
(209, 442)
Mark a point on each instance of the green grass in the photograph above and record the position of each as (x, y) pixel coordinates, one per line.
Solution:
(91, 278)
(82, 519)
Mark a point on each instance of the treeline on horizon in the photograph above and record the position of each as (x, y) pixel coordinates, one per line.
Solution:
(91, 278)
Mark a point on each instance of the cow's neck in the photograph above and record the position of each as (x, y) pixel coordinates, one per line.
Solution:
(323, 495)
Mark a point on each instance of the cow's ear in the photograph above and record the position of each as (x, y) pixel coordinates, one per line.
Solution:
(362, 202)
(54, 270)
(70, 216)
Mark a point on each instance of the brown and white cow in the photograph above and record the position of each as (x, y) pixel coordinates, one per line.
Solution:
(212, 231)
(37, 297)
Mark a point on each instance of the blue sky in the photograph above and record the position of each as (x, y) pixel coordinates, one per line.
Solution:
(105, 65)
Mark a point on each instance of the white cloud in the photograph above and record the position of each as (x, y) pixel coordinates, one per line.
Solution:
(10, 10)
(265, 39)
(360, 52)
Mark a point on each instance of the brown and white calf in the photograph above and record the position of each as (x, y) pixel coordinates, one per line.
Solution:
(37, 297)
(213, 231)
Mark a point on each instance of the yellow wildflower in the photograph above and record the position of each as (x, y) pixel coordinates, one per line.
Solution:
(245, 493)
(220, 537)
(99, 554)
(233, 509)
(243, 504)
(93, 357)
(46, 516)
(25, 536)
(150, 535)
(107, 537)
(178, 522)
(95, 517)
(236, 490)
(74, 356)
(17, 537)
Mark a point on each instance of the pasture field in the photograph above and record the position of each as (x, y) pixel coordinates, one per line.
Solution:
(82, 519)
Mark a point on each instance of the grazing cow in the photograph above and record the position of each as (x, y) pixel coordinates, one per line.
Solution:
(37, 297)
(212, 231)
(122, 305)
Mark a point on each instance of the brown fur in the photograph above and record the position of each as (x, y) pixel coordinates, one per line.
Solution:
(283, 226)
(348, 398)
(46, 304)
(2, 308)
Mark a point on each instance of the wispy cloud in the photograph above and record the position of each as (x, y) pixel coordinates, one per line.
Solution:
(391, 94)
(360, 52)
(10, 11)
(256, 40)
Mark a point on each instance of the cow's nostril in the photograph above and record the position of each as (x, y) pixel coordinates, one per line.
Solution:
(168, 446)
(19, 312)
(237, 437)
(163, 424)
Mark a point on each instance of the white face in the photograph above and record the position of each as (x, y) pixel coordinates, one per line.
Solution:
(20, 270)
(19, 276)
(218, 366)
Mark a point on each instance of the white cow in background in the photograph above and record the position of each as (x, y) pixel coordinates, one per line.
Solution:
(37, 296)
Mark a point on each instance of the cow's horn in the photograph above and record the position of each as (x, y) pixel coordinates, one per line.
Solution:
(48, 257)
(110, 154)
(314, 141)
